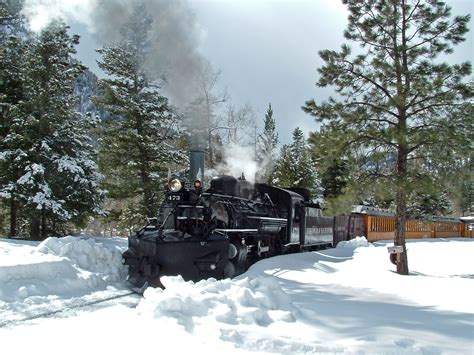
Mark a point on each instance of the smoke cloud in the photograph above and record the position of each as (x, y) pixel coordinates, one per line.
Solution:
(175, 34)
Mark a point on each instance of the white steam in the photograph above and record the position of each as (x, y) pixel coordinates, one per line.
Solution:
(238, 160)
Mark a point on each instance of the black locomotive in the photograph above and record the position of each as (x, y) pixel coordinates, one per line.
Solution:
(221, 231)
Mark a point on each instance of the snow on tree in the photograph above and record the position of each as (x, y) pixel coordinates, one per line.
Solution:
(85, 88)
(295, 168)
(267, 143)
(57, 179)
(429, 203)
(139, 142)
(13, 39)
(282, 173)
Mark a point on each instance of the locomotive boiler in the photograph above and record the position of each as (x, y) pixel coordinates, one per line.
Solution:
(220, 231)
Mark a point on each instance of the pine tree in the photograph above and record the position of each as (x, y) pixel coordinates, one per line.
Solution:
(57, 180)
(428, 203)
(267, 144)
(282, 173)
(334, 179)
(13, 41)
(295, 167)
(303, 171)
(139, 143)
(394, 99)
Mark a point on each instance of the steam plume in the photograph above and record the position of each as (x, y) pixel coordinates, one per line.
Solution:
(237, 160)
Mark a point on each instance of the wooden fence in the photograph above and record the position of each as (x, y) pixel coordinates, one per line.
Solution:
(383, 228)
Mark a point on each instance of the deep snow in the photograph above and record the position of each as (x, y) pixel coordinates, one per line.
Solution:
(342, 300)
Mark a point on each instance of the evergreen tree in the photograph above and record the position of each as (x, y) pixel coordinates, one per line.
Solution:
(394, 99)
(57, 180)
(295, 167)
(334, 179)
(13, 41)
(139, 143)
(445, 181)
(460, 186)
(428, 203)
(267, 144)
(282, 173)
(304, 173)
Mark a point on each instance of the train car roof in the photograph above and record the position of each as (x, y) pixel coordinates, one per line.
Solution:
(373, 211)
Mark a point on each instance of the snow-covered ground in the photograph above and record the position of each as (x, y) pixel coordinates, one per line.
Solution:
(342, 300)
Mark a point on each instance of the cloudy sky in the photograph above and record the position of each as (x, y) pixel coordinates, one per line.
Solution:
(267, 51)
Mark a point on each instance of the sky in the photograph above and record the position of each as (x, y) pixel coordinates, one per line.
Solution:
(266, 50)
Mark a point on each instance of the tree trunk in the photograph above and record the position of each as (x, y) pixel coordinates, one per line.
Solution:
(13, 217)
(44, 234)
(403, 88)
(400, 214)
(209, 143)
(35, 227)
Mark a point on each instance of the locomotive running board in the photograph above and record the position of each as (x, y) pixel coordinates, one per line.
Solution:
(236, 230)
(270, 224)
(269, 219)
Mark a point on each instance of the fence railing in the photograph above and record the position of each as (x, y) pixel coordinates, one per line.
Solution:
(383, 228)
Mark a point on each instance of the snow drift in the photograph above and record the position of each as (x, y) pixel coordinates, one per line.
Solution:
(257, 301)
(58, 273)
(355, 243)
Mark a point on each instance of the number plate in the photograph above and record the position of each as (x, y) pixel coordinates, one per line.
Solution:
(174, 198)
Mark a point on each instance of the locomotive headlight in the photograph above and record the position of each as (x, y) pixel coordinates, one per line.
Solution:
(175, 185)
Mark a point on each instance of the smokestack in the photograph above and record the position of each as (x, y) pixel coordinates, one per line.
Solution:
(196, 170)
(196, 156)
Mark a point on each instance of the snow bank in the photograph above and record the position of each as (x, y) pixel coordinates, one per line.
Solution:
(355, 243)
(59, 267)
(86, 254)
(256, 301)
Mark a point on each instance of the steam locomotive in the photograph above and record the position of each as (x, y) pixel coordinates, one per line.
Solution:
(219, 232)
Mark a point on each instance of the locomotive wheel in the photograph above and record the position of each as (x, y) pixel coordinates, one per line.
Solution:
(241, 259)
(237, 263)
(229, 270)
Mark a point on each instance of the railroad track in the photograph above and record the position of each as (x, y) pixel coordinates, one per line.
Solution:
(63, 310)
